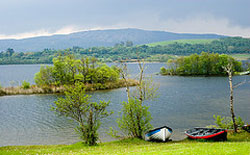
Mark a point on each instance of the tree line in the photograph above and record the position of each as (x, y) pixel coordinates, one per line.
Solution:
(123, 51)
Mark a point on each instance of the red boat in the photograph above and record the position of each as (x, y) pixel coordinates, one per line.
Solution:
(246, 128)
(207, 133)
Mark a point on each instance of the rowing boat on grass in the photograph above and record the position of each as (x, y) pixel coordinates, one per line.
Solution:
(207, 133)
(159, 134)
(246, 128)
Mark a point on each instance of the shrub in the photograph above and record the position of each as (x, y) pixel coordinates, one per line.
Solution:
(25, 85)
(135, 120)
(227, 122)
(163, 71)
(79, 107)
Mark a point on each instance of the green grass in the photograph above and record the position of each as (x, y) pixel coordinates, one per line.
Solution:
(241, 56)
(182, 41)
(161, 57)
(236, 144)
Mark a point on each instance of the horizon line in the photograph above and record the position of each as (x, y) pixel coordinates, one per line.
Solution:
(44, 33)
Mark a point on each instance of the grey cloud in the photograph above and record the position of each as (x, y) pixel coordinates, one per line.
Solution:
(29, 15)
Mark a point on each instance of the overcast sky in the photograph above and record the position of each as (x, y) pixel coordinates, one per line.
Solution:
(28, 18)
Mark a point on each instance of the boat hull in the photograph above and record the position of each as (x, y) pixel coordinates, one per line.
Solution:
(246, 128)
(207, 133)
(161, 134)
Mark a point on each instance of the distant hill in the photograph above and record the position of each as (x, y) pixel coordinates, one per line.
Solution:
(182, 41)
(97, 38)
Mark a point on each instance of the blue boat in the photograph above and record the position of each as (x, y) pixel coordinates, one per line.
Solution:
(161, 134)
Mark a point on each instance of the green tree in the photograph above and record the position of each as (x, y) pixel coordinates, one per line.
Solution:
(204, 64)
(79, 107)
(45, 76)
(163, 71)
(10, 52)
(68, 70)
(135, 117)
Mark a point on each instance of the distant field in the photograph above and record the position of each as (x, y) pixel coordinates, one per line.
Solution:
(183, 41)
(241, 56)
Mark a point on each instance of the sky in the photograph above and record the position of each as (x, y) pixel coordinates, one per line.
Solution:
(29, 18)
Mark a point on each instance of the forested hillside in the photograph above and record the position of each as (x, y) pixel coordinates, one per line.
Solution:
(127, 50)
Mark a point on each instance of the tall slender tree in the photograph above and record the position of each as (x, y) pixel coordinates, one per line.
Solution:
(229, 70)
(135, 120)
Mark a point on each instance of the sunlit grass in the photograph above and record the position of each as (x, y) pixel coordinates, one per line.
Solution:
(236, 144)
(182, 41)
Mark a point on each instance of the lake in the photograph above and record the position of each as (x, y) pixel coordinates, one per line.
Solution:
(183, 103)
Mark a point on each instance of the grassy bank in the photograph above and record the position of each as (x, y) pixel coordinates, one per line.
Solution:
(241, 57)
(60, 89)
(181, 41)
(236, 144)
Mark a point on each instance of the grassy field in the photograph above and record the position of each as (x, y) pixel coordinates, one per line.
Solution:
(236, 144)
(241, 56)
(183, 41)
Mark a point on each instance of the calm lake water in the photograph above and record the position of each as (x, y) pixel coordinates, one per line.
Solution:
(183, 102)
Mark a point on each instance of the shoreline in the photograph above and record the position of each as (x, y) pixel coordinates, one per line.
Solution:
(129, 62)
(34, 89)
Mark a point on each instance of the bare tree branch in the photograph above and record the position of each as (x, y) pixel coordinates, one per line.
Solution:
(124, 74)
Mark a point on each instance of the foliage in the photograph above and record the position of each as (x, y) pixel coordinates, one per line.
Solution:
(135, 116)
(1, 91)
(204, 64)
(44, 77)
(227, 122)
(129, 122)
(25, 85)
(68, 70)
(79, 107)
(124, 51)
(248, 66)
(164, 71)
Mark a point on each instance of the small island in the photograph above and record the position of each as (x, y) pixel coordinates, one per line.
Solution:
(67, 70)
(205, 64)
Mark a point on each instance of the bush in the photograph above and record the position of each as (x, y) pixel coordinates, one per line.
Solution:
(163, 71)
(25, 85)
(227, 122)
(135, 119)
(79, 107)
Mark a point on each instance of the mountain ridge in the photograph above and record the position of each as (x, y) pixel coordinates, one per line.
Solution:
(91, 38)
